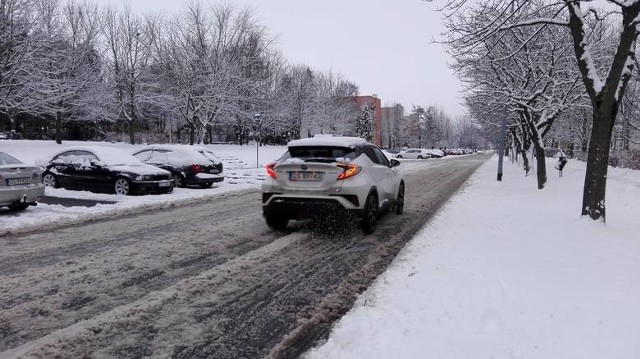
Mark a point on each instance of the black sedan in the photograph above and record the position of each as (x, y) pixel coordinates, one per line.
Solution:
(189, 165)
(100, 169)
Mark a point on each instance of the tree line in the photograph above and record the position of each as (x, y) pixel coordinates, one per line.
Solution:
(203, 73)
(562, 73)
(77, 70)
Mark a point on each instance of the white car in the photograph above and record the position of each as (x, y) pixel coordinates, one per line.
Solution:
(415, 153)
(325, 176)
(20, 184)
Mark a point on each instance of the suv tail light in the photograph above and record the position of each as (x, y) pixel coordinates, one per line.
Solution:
(270, 171)
(348, 170)
(196, 168)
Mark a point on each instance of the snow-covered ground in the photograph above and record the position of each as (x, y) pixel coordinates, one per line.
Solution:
(502, 271)
(240, 170)
(508, 271)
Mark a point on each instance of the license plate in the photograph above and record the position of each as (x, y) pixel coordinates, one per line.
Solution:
(17, 181)
(214, 171)
(305, 176)
(164, 184)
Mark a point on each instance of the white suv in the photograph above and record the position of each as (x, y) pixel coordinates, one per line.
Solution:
(323, 176)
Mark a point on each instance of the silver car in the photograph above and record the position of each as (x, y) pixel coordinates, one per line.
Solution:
(20, 184)
(324, 176)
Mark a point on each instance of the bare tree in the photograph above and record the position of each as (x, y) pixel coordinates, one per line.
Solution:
(209, 57)
(17, 48)
(128, 39)
(68, 66)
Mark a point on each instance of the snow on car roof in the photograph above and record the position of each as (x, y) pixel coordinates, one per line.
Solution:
(181, 155)
(341, 141)
(108, 155)
(172, 147)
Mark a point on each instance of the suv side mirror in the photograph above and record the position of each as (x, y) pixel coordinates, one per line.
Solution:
(394, 162)
(96, 163)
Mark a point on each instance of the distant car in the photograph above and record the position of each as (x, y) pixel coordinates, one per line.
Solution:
(436, 153)
(20, 184)
(332, 175)
(453, 151)
(96, 168)
(4, 136)
(414, 153)
(189, 165)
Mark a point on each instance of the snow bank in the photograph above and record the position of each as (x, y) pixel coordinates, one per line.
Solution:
(508, 271)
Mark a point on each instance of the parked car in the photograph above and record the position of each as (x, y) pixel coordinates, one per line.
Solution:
(20, 184)
(344, 175)
(436, 153)
(189, 165)
(414, 153)
(4, 136)
(97, 168)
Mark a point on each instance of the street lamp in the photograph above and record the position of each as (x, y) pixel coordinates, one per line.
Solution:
(502, 144)
(256, 121)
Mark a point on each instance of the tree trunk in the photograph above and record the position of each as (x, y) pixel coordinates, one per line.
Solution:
(59, 127)
(132, 131)
(541, 167)
(525, 162)
(192, 133)
(13, 120)
(595, 181)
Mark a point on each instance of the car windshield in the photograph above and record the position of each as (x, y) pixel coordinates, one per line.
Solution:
(115, 157)
(322, 152)
(5, 159)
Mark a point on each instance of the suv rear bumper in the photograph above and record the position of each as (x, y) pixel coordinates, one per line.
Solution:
(303, 208)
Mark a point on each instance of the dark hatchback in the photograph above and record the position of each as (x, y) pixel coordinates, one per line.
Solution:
(104, 169)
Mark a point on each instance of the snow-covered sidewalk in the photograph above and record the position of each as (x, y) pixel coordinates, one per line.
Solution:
(508, 271)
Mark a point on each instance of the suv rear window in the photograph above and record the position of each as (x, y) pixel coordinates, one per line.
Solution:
(321, 152)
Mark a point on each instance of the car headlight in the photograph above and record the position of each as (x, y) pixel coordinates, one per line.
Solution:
(143, 178)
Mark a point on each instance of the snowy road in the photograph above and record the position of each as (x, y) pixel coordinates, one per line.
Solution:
(208, 280)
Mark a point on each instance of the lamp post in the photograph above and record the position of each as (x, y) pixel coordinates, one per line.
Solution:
(256, 121)
(501, 144)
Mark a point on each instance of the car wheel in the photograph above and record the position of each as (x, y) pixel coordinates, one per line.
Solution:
(206, 185)
(400, 199)
(122, 186)
(398, 156)
(420, 157)
(370, 218)
(18, 207)
(178, 180)
(49, 180)
(277, 222)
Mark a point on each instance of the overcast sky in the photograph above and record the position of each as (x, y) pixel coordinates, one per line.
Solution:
(381, 45)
